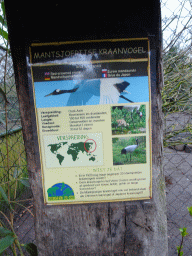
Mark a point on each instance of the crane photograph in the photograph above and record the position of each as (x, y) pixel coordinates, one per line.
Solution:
(129, 150)
(91, 91)
(128, 119)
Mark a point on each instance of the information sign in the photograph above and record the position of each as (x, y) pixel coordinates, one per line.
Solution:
(93, 112)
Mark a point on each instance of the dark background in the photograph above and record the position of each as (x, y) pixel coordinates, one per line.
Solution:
(58, 21)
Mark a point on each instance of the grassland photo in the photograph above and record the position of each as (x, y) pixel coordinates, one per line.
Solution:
(129, 150)
(128, 119)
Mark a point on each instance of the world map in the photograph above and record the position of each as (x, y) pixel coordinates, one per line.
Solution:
(73, 150)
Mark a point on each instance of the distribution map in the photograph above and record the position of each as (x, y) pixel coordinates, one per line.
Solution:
(73, 150)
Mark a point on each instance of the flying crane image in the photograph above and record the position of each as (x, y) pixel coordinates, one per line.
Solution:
(108, 90)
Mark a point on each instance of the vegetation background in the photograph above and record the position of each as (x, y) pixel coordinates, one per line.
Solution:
(135, 123)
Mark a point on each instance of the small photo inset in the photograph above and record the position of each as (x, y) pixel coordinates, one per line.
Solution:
(129, 150)
(128, 119)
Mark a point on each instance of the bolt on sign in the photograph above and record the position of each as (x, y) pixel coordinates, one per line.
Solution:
(93, 113)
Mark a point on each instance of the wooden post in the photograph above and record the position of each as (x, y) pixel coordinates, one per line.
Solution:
(112, 228)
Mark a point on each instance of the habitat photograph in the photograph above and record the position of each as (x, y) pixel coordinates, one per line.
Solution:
(129, 150)
(128, 119)
(91, 91)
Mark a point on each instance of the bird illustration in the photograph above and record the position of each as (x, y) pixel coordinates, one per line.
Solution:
(130, 149)
(108, 89)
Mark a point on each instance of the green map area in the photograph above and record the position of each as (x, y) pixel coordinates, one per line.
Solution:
(73, 150)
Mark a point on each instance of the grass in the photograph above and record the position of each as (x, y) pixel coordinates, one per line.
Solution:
(137, 157)
(13, 165)
(129, 130)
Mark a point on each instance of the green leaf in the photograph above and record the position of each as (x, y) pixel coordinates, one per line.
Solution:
(179, 250)
(3, 21)
(25, 182)
(6, 242)
(31, 248)
(5, 232)
(3, 194)
(190, 210)
(5, 197)
(16, 173)
(4, 34)
(183, 231)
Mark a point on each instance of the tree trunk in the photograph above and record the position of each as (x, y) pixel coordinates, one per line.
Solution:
(123, 228)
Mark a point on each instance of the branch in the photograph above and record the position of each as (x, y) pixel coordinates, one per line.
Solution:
(174, 40)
